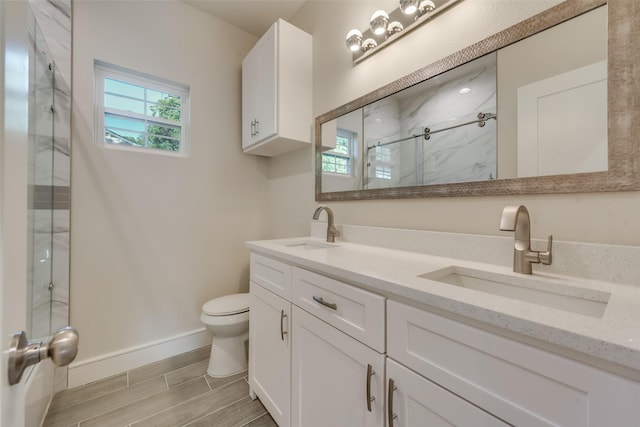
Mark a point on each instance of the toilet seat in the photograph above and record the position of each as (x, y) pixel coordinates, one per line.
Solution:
(227, 305)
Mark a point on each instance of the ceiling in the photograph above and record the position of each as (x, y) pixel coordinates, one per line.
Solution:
(253, 16)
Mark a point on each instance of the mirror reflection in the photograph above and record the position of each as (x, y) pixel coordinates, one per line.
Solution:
(534, 108)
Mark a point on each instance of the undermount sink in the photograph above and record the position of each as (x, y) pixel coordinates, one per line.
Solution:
(533, 290)
(309, 245)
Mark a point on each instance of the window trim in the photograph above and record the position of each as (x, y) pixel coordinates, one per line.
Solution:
(352, 141)
(103, 70)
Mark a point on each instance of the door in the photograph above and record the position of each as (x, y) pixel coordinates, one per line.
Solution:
(270, 352)
(13, 196)
(414, 400)
(26, 213)
(336, 380)
(259, 86)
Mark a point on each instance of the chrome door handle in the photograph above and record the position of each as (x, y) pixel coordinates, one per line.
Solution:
(392, 416)
(282, 331)
(253, 128)
(330, 305)
(257, 127)
(370, 398)
(62, 348)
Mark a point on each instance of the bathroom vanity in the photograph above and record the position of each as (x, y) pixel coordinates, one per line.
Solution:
(348, 334)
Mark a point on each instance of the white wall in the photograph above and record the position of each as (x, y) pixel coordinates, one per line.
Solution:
(600, 218)
(154, 236)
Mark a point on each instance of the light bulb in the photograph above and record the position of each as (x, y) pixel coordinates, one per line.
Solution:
(379, 21)
(394, 27)
(354, 40)
(409, 7)
(369, 44)
(425, 7)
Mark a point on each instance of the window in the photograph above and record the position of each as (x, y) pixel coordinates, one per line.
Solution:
(136, 111)
(339, 159)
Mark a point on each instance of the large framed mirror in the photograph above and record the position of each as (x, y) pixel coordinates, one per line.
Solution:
(546, 106)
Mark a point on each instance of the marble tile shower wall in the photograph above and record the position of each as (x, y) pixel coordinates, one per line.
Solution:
(463, 154)
(54, 19)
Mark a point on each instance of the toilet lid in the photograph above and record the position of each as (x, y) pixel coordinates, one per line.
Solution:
(228, 304)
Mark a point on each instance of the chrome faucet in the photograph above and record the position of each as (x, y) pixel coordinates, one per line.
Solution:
(332, 231)
(516, 218)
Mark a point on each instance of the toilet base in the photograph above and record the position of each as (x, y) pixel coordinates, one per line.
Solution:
(228, 356)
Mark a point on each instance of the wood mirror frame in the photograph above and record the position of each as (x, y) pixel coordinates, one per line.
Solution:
(623, 109)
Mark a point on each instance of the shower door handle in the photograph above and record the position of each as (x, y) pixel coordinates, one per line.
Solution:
(62, 348)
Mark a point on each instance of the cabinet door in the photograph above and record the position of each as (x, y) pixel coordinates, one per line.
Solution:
(259, 86)
(250, 83)
(266, 102)
(416, 401)
(270, 352)
(333, 377)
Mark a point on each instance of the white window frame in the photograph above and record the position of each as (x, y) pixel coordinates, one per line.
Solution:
(352, 138)
(103, 70)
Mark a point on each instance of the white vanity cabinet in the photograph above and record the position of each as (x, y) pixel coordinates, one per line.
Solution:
(520, 384)
(316, 353)
(276, 92)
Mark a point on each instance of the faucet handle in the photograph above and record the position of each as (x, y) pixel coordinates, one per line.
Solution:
(547, 256)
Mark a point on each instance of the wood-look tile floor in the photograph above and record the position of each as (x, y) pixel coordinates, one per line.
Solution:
(174, 392)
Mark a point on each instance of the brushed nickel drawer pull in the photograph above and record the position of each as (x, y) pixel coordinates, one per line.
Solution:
(330, 305)
(282, 331)
(392, 416)
(370, 398)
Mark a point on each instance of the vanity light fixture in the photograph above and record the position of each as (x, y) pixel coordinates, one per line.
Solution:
(385, 28)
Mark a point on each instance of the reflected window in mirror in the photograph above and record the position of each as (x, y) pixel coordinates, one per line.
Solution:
(340, 159)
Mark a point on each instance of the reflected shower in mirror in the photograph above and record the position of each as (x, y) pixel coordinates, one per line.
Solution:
(535, 106)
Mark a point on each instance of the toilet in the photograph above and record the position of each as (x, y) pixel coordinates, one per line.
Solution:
(227, 318)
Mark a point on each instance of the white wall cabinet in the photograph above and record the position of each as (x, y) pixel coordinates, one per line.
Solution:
(276, 92)
(337, 381)
(270, 352)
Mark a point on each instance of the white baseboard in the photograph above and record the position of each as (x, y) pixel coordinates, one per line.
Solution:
(107, 365)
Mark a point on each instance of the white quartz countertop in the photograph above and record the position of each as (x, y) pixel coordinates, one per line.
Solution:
(613, 337)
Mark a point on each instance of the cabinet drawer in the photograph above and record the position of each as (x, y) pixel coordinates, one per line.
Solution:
(356, 312)
(518, 383)
(273, 275)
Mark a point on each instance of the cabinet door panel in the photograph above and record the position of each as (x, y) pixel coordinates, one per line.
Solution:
(521, 384)
(266, 92)
(419, 402)
(270, 352)
(250, 84)
(329, 377)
